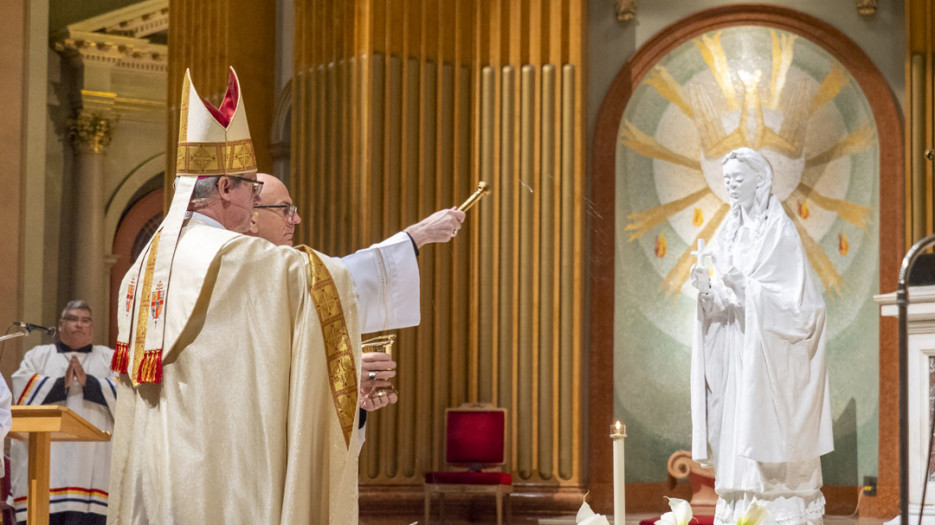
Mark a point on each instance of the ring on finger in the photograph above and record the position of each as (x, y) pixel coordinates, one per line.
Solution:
(372, 375)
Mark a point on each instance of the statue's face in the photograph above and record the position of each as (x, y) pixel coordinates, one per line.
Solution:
(741, 181)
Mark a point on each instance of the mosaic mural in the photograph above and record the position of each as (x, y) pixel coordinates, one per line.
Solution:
(785, 96)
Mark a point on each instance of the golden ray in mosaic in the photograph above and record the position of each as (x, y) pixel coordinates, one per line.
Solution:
(715, 142)
(783, 46)
(644, 221)
(853, 143)
(832, 84)
(633, 138)
(819, 260)
(668, 88)
(713, 55)
(751, 101)
(853, 213)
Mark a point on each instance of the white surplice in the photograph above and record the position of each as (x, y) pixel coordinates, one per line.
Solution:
(80, 472)
(760, 397)
(386, 284)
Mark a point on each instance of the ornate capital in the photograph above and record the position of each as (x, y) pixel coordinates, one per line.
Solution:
(90, 132)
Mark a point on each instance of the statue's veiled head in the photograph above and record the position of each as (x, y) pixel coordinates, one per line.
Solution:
(748, 178)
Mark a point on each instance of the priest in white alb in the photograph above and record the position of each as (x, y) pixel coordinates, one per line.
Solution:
(239, 359)
(76, 374)
(759, 386)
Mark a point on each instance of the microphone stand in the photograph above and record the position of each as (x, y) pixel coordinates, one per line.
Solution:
(14, 335)
(902, 301)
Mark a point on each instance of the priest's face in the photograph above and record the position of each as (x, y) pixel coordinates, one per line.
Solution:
(276, 216)
(75, 328)
(741, 181)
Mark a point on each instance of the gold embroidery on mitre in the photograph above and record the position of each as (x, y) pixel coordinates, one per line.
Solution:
(342, 369)
(183, 110)
(213, 158)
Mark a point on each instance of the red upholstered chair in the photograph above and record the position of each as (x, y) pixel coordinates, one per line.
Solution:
(475, 439)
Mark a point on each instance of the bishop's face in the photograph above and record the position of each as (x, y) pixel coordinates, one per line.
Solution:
(741, 181)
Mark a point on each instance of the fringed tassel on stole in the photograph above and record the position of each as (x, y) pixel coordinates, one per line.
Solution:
(121, 359)
(150, 370)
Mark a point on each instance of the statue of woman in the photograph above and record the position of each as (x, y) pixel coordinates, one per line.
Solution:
(761, 415)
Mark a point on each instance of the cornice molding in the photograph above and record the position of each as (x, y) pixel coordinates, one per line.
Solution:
(121, 52)
(135, 21)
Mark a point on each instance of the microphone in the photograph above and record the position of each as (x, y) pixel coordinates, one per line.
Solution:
(30, 327)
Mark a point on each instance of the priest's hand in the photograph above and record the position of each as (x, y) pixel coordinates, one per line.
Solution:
(373, 401)
(440, 226)
(376, 370)
(78, 371)
(70, 373)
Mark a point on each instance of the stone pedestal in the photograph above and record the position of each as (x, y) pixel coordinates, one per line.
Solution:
(921, 360)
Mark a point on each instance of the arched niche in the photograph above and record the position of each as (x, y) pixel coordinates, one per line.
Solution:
(605, 243)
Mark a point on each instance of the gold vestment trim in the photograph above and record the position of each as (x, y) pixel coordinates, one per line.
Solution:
(342, 370)
(143, 312)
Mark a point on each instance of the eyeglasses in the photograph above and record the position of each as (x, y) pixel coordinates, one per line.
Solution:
(79, 320)
(257, 185)
(288, 210)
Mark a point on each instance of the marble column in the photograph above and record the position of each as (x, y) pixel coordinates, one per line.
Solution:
(90, 135)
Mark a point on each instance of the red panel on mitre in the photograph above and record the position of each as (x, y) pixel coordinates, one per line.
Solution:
(224, 113)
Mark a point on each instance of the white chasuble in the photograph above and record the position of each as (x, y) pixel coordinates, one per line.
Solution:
(760, 397)
(253, 420)
(79, 471)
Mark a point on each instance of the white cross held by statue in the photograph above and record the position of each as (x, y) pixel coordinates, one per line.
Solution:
(700, 253)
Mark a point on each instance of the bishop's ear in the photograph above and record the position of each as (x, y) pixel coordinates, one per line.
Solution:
(225, 187)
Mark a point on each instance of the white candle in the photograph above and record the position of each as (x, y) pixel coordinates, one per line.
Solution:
(618, 431)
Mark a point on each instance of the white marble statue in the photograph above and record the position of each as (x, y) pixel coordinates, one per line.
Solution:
(759, 387)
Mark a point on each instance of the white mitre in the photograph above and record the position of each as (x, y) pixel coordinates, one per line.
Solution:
(212, 142)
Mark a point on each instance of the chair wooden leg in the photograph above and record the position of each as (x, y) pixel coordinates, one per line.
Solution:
(441, 496)
(428, 505)
(509, 509)
(499, 508)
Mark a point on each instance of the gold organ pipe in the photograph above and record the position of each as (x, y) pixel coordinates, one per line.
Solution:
(526, 372)
(546, 388)
(916, 171)
(487, 366)
(569, 360)
(507, 246)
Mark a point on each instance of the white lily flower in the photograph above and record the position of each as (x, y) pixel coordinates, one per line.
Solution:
(755, 514)
(586, 516)
(681, 513)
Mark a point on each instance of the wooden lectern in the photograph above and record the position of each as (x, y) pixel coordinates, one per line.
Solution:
(41, 425)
